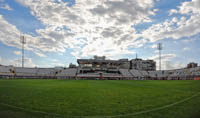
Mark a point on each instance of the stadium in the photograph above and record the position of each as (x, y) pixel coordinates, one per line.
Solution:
(99, 59)
(100, 88)
(100, 68)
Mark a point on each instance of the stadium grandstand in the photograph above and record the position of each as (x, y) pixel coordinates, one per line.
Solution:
(101, 68)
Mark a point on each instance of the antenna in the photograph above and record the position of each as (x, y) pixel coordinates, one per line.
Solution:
(160, 48)
(23, 41)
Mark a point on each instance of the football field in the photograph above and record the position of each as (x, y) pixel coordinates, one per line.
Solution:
(33, 98)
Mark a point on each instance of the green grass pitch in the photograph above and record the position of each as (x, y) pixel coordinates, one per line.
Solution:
(29, 98)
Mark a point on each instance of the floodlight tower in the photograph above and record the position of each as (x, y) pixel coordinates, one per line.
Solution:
(159, 49)
(23, 41)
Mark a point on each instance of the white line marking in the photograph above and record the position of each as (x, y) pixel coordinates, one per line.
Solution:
(130, 114)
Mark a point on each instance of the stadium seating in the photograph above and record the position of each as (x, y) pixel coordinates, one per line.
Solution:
(6, 70)
(18, 72)
(25, 71)
(45, 72)
(136, 73)
(144, 73)
(68, 72)
(125, 73)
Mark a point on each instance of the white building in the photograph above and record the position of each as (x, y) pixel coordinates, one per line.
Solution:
(139, 64)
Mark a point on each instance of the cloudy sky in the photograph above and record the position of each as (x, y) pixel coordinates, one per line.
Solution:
(60, 31)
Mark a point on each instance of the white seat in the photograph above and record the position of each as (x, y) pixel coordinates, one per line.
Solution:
(125, 73)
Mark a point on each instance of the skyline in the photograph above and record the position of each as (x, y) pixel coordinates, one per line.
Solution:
(60, 31)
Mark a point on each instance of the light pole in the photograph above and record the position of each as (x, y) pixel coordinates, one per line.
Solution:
(159, 49)
(23, 41)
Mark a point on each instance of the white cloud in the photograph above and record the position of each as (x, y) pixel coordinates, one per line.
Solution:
(105, 24)
(154, 46)
(8, 33)
(165, 61)
(169, 65)
(5, 6)
(165, 57)
(57, 64)
(177, 28)
(17, 52)
(186, 48)
(98, 27)
(40, 54)
(10, 36)
(17, 62)
(172, 11)
(191, 7)
(27, 62)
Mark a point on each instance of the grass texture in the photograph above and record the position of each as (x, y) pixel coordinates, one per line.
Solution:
(32, 98)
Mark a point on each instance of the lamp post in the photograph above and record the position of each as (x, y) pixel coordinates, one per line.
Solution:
(23, 41)
(159, 49)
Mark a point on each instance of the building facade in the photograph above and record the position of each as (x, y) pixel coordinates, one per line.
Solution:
(139, 64)
(103, 63)
(192, 65)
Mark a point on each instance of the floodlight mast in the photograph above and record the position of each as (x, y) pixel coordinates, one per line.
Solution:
(160, 48)
(23, 41)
